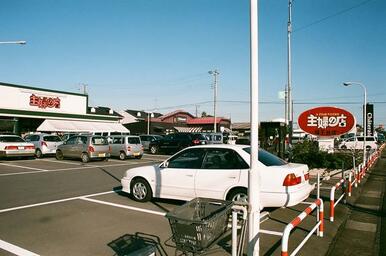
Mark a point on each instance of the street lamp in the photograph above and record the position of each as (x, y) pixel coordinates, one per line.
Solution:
(215, 73)
(13, 42)
(364, 115)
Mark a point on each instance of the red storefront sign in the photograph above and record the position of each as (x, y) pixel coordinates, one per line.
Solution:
(44, 102)
(326, 121)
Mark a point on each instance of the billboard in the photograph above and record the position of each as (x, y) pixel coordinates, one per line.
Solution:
(369, 119)
(326, 121)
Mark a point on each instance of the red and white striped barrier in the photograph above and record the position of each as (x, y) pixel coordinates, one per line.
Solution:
(332, 198)
(295, 222)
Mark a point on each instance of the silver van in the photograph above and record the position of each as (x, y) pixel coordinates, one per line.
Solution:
(124, 146)
(85, 147)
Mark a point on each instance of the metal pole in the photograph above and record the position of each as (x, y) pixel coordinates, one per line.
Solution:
(364, 123)
(215, 100)
(215, 73)
(289, 82)
(253, 176)
(148, 123)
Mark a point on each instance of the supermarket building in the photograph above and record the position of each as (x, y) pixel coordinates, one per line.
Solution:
(27, 109)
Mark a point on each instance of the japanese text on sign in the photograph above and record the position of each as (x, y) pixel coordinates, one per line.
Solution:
(44, 102)
(326, 121)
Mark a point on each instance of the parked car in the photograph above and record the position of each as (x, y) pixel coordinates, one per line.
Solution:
(146, 139)
(220, 172)
(214, 138)
(176, 141)
(124, 146)
(45, 144)
(356, 142)
(15, 146)
(85, 147)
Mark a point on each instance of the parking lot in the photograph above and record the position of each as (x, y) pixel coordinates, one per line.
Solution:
(51, 207)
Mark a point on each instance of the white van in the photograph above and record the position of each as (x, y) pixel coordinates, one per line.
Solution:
(356, 142)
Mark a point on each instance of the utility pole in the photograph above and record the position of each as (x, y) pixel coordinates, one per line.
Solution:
(215, 73)
(289, 84)
(84, 88)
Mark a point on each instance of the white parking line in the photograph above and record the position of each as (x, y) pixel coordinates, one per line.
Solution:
(55, 201)
(67, 169)
(15, 249)
(25, 167)
(124, 206)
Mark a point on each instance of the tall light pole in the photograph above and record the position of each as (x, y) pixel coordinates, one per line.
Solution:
(215, 73)
(253, 175)
(16, 119)
(364, 115)
(289, 71)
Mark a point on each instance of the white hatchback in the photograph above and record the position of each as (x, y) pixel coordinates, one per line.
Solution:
(220, 172)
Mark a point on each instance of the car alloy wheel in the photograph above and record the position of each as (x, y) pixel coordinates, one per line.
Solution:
(85, 158)
(153, 149)
(38, 153)
(122, 156)
(140, 190)
(238, 195)
(59, 155)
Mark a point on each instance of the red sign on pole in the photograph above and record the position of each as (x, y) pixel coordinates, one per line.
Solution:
(326, 121)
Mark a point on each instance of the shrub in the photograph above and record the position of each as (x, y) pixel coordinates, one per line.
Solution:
(308, 153)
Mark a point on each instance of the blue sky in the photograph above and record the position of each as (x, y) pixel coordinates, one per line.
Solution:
(146, 54)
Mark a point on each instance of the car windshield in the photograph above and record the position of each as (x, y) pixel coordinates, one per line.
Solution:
(99, 141)
(11, 139)
(133, 140)
(267, 158)
(52, 138)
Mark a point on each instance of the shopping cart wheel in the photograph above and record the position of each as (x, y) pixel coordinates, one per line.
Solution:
(140, 190)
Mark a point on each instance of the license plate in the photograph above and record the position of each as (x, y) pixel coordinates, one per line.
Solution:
(101, 155)
(20, 147)
(136, 154)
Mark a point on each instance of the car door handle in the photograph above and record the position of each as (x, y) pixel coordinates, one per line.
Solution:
(189, 175)
(232, 177)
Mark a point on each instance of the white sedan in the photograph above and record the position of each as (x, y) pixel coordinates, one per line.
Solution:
(220, 172)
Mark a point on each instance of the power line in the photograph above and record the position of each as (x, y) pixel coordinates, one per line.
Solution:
(332, 16)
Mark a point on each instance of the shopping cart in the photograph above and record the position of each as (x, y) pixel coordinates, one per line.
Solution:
(199, 223)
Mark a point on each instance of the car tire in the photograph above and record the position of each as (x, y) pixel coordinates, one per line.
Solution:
(140, 190)
(343, 147)
(106, 159)
(38, 153)
(85, 158)
(122, 156)
(138, 157)
(59, 155)
(154, 149)
(238, 194)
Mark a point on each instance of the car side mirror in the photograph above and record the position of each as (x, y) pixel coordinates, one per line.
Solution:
(164, 164)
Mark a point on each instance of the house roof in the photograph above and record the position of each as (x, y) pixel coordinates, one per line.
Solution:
(143, 114)
(102, 111)
(206, 120)
(179, 111)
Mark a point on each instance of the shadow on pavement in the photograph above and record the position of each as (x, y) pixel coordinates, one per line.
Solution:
(137, 244)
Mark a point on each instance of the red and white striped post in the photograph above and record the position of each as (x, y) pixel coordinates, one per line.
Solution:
(332, 199)
(295, 222)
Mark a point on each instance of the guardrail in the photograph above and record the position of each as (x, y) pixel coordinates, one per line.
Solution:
(295, 222)
(332, 198)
